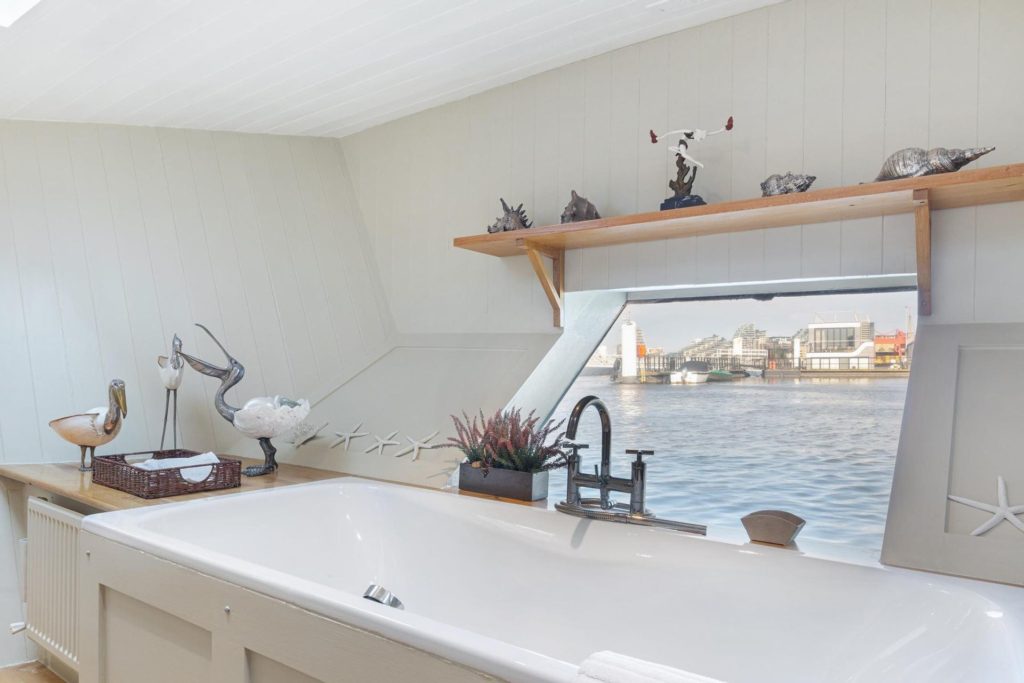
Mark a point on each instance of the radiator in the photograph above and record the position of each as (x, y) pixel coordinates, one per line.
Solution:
(52, 579)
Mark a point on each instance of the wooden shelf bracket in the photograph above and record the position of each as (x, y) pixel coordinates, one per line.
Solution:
(923, 239)
(553, 284)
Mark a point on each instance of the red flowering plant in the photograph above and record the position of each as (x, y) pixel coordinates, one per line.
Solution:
(506, 441)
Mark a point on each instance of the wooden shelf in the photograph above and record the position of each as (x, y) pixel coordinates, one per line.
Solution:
(912, 195)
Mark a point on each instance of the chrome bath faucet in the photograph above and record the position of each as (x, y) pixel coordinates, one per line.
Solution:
(602, 480)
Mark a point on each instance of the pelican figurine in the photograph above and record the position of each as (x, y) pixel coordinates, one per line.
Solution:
(261, 418)
(172, 369)
(94, 427)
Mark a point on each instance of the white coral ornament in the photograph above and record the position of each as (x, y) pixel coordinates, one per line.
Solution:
(265, 417)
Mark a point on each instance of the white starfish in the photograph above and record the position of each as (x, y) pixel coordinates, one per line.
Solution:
(417, 446)
(1002, 511)
(346, 437)
(382, 443)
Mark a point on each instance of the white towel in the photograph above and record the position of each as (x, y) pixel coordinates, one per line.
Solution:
(193, 474)
(609, 667)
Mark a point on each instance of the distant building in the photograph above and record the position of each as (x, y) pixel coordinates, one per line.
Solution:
(630, 357)
(891, 349)
(840, 341)
(713, 348)
(749, 346)
(783, 353)
(601, 358)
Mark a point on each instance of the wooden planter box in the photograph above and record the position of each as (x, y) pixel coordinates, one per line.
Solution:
(503, 483)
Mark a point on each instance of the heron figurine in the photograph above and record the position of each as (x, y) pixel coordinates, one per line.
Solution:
(94, 427)
(261, 418)
(172, 369)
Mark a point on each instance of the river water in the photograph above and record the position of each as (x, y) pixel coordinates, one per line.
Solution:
(821, 448)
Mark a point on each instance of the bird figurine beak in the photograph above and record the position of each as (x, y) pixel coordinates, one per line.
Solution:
(202, 366)
(121, 399)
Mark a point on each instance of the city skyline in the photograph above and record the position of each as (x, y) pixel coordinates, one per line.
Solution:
(673, 325)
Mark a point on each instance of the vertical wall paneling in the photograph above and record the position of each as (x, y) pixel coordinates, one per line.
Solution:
(952, 122)
(253, 260)
(308, 269)
(71, 268)
(47, 355)
(907, 45)
(102, 160)
(714, 182)
(1000, 239)
(747, 142)
(19, 416)
(593, 264)
(623, 153)
(863, 126)
(656, 79)
(110, 307)
(784, 122)
(822, 141)
(572, 92)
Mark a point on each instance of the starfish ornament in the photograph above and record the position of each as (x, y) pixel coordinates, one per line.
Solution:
(382, 443)
(1002, 511)
(346, 437)
(417, 446)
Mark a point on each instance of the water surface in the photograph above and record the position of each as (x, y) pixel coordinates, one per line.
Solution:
(821, 448)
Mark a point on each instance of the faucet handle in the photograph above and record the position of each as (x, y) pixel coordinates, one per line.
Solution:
(575, 446)
(639, 453)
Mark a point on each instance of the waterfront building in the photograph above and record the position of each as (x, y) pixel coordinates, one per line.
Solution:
(891, 350)
(840, 341)
(749, 346)
(714, 347)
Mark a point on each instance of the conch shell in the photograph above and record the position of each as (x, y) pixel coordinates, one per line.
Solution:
(913, 162)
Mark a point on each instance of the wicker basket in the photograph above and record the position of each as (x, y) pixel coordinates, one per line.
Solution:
(113, 471)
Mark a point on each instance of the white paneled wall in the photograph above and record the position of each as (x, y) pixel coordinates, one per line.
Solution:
(112, 239)
(827, 87)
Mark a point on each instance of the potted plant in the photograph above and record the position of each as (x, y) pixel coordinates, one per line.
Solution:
(506, 455)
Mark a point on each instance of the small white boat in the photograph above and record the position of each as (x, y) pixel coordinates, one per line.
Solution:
(693, 372)
(688, 377)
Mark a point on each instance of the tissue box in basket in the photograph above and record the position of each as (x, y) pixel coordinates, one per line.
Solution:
(113, 471)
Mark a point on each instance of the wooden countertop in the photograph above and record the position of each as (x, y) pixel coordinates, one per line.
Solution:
(64, 479)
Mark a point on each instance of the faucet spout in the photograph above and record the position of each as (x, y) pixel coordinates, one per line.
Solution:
(604, 472)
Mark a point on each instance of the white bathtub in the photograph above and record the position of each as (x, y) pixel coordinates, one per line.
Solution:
(525, 594)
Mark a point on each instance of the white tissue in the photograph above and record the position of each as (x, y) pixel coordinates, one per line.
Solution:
(194, 474)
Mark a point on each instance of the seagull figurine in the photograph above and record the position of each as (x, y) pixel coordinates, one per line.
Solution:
(688, 135)
(94, 427)
(261, 418)
(172, 369)
(381, 444)
(1001, 511)
(416, 446)
(347, 437)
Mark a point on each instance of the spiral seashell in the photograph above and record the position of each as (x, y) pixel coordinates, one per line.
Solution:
(913, 162)
(786, 184)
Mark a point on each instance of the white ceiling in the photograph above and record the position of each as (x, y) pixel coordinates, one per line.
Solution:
(306, 67)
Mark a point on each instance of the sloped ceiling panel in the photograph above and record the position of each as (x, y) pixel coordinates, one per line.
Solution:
(304, 67)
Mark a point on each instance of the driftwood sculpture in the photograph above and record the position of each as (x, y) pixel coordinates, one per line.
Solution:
(512, 219)
(914, 161)
(786, 184)
(579, 209)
